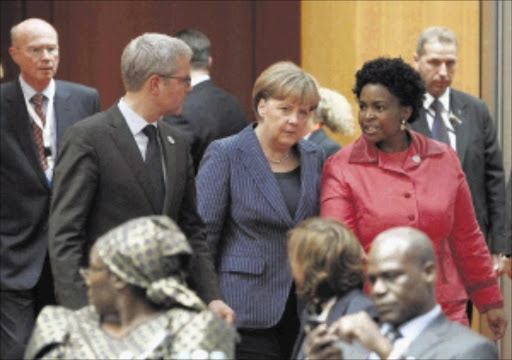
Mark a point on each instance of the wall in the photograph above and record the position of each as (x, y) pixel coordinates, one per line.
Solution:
(92, 35)
(339, 36)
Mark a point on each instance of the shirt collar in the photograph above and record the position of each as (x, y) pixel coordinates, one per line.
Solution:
(135, 122)
(412, 328)
(196, 79)
(28, 91)
(443, 99)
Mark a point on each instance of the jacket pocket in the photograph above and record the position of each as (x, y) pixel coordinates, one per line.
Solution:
(242, 264)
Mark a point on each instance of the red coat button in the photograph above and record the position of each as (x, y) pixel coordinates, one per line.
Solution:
(411, 217)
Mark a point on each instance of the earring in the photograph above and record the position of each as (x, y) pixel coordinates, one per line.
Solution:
(402, 125)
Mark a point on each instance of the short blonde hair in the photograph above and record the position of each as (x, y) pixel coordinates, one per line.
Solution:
(335, 112)
(329, 255)
(284, 80)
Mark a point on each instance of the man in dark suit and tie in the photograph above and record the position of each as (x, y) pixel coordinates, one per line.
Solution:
(402, 277)
(126, 163)
(463, 122)
(36, 110)
(208, 113)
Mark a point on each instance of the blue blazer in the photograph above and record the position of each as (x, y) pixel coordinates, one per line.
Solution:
(247, 220)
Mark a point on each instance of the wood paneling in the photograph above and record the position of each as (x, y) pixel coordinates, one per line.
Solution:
(246, 37)
(339, 36)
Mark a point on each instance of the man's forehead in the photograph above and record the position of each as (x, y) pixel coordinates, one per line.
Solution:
(435, 48)
(389, 262)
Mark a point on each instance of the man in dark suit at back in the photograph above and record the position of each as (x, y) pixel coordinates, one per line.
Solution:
(402, 277)
(208, 112)
(126, 163)
(36, 110)
(463, 122)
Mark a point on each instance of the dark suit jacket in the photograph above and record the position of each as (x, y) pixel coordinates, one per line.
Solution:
(247, 220)
(24, 189)
(352, 302)
(100, 182)
(330, 146)
(444, 339)
(480, 156)
(208, 113)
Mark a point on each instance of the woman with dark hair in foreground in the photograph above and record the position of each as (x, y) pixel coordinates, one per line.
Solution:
(393, 177)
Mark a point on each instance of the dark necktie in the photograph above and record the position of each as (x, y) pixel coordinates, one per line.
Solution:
(154, 164)
(439, 130)
(37, 100)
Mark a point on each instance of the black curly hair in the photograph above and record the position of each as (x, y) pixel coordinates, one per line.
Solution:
(398, 77)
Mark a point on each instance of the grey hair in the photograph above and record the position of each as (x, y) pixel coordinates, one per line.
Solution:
(441, 34)
(335, 112)
(200, 45)
(151, 54)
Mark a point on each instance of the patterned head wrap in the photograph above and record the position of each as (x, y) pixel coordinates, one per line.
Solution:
(151, 253)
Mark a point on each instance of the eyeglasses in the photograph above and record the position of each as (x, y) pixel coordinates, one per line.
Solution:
(38, 51)
(186, 80)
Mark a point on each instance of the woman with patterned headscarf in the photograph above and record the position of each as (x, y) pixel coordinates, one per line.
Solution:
(139, 306)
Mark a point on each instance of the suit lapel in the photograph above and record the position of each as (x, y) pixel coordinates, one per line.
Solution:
(458, 108)
(123, 139)
(63, 110)
(22, 128)
(169, 153)
(433, 334)
(253, 160)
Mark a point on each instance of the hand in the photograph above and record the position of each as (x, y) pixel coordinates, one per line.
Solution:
(319, 344)
(502, 265)
(222, 309)
(361, 327)
(497, 322)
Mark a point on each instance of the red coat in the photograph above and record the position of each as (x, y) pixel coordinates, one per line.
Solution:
(369, 193)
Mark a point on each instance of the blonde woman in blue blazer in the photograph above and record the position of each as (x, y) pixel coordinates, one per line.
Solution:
(252, 188)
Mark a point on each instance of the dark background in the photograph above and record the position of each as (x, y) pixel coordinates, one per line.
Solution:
(246, 37)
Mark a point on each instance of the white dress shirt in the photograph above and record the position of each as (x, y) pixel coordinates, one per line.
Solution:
(446, 114)
(137, 123)
(409, 331)
(49, 131)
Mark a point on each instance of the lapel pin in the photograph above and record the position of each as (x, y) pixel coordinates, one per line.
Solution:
(416, 159)
(170, 139)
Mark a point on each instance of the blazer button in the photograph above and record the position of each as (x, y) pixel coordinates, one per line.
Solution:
(407, 195)
(411, 217)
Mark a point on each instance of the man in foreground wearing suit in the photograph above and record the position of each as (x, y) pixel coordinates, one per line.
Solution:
(35, 112)
(463, 122)
(126, 163)
(402, 277)
(209, 113)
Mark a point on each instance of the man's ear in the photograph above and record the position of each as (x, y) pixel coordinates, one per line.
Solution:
(13, 52)
(429, 272)
(153, 83)
(416, 60)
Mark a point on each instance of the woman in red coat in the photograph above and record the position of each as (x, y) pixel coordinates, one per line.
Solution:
(392, 177)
